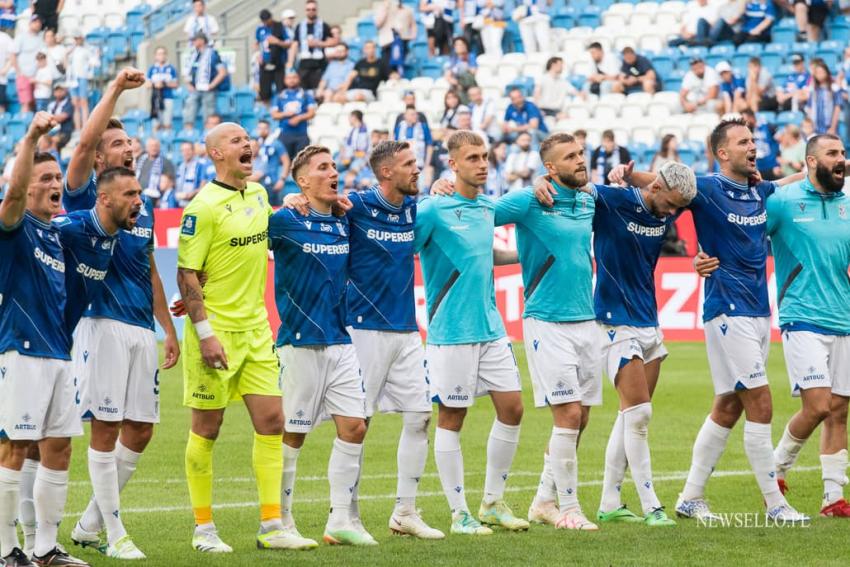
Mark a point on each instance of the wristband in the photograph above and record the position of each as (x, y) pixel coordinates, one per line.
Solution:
(204, 329)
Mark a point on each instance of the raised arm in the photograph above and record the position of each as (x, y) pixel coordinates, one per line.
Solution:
(14, 204)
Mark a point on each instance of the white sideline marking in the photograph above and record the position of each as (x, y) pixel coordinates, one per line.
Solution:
(681, 475)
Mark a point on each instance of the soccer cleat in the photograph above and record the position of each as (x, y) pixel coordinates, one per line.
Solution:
(85, 538)
(499, 514)
(783, 486)
(57, 557)
(207, 541)
(658, 517)
(620, 515)
(544, 513)
(357, 523)
(696, 508)
(575, 520)
(785, 513)
(838, 509)
(287, 538)
(16, 559)
(464, 524)
(413, 525)
(124, 548)
(348, 535)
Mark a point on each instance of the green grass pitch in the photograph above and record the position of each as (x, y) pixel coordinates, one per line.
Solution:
(157, 514)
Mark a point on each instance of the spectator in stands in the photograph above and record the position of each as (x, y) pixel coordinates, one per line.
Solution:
(28, 43)
(451, 105)
(7, 52)
(700, 88)
(151, 165)
(483, 114)
(636, 74)
(48, 12)
(438, 17)
(534, 25)
(199, 22)
(162, 80)
(355, 146)
(732, 89)
(47, 144)
(460, 69)
(336, 34)
(293, 108)
(729, 14)
(396, 25)
(810, 16)
(605, 70)
(312, 36)
(696, 28)
(843, 83)
(581, 139)
(758, 18)
(270, 41)
(767, 150)
(493, 22)
(668, 152)
(606, 157)
(463, 121)
(82, 61)
(794, 93)
(272, 161)
(42, 82)
(56, 55)
(207, 76)
(439, 167)
(471, 24)
(167, 193)
(336, 74)
(211, 122)
(8, 16)
(137, 148)
(522, 163)
(363, 81)
(190, 175)
(761, 92)
(824, 103)
(522, 116)
(496, 179)
(409, 99)
(287, 18)
(551, 90)
(62, 110)
(412, 130)
(792, 150)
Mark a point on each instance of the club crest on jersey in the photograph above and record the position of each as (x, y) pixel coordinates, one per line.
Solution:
(189, 223)
(409, 217)
(340, 228)
(143, 212)
(249, 211)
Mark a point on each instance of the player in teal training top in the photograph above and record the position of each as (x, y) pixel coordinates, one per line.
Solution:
(467, 353)
(809, 226)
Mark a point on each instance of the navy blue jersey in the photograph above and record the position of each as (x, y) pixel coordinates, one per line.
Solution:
(310, 273)
(627, 242)
(380, 266)
(730, 219)
(128, 295)
(32, 317)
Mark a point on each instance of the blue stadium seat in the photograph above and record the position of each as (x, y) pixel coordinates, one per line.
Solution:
(712, 59)
(807, 48)
(132, 125)
(696, 51)
(136, 38)
(564, 21)
(771, 61)
(726, 50)
(838, 30)
(766, 116)
(116, 44)
(831, 56)
(366, 29)
(591, 16)
(784, 35)
(97, 36)
(687, 155)
(419, 50)
(243, 101)
(604, 4)
(525, 84)
(431, 69)
(788, 117)
(777, 47)
(663, 65)
(740, 60)
(751, 48)
(224, 104)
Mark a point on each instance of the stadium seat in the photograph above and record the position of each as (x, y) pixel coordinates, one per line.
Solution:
(838, 30)
(788, 117)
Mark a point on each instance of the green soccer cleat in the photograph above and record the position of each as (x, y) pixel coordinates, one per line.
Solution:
(287, 538)
(658, 517)
(85, 538)
(124, 548)
(620, 515)
(348, 536)
(464, 524)
(498, 514)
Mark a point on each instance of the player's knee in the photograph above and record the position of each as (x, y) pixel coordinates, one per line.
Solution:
(136, 435)
(416, 422)
(838, 413)
(354, 432)
(104, 434)
(639, 416)
(13, 454)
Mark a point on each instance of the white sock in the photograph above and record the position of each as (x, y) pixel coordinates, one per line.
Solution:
(343, 470)
(354, 509)
(546, 491)
(786, 452)
(411, 457)
(10, 484)
(833, 472)
(449, 459)
(287, 484)
(50, 492)
(27, 505)
(708, 447)
(615, 467)
(126, 461)
(501, 448)
(636, 444)
(564, 460)
(759, 450)
(104, 480)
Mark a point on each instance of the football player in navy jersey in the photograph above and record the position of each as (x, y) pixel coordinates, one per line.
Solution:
(116, 354)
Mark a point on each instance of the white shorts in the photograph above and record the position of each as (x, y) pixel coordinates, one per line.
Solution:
(116, 364)
(623, 343)
(565, 361)
(393, 366)
(817, 361)
(737, 350)
(459, 373)
(319, 382)
(38, 398)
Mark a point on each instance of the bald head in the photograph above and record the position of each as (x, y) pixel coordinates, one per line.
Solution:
(221, 133)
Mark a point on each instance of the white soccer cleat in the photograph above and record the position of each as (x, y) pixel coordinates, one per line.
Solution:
(358, 526)
(786, 514)
(287, 538)
(413, 525)
(84, 538)
(207, 541)
(543, 512)
(575, 520)
(124, 548)
(696, 508)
